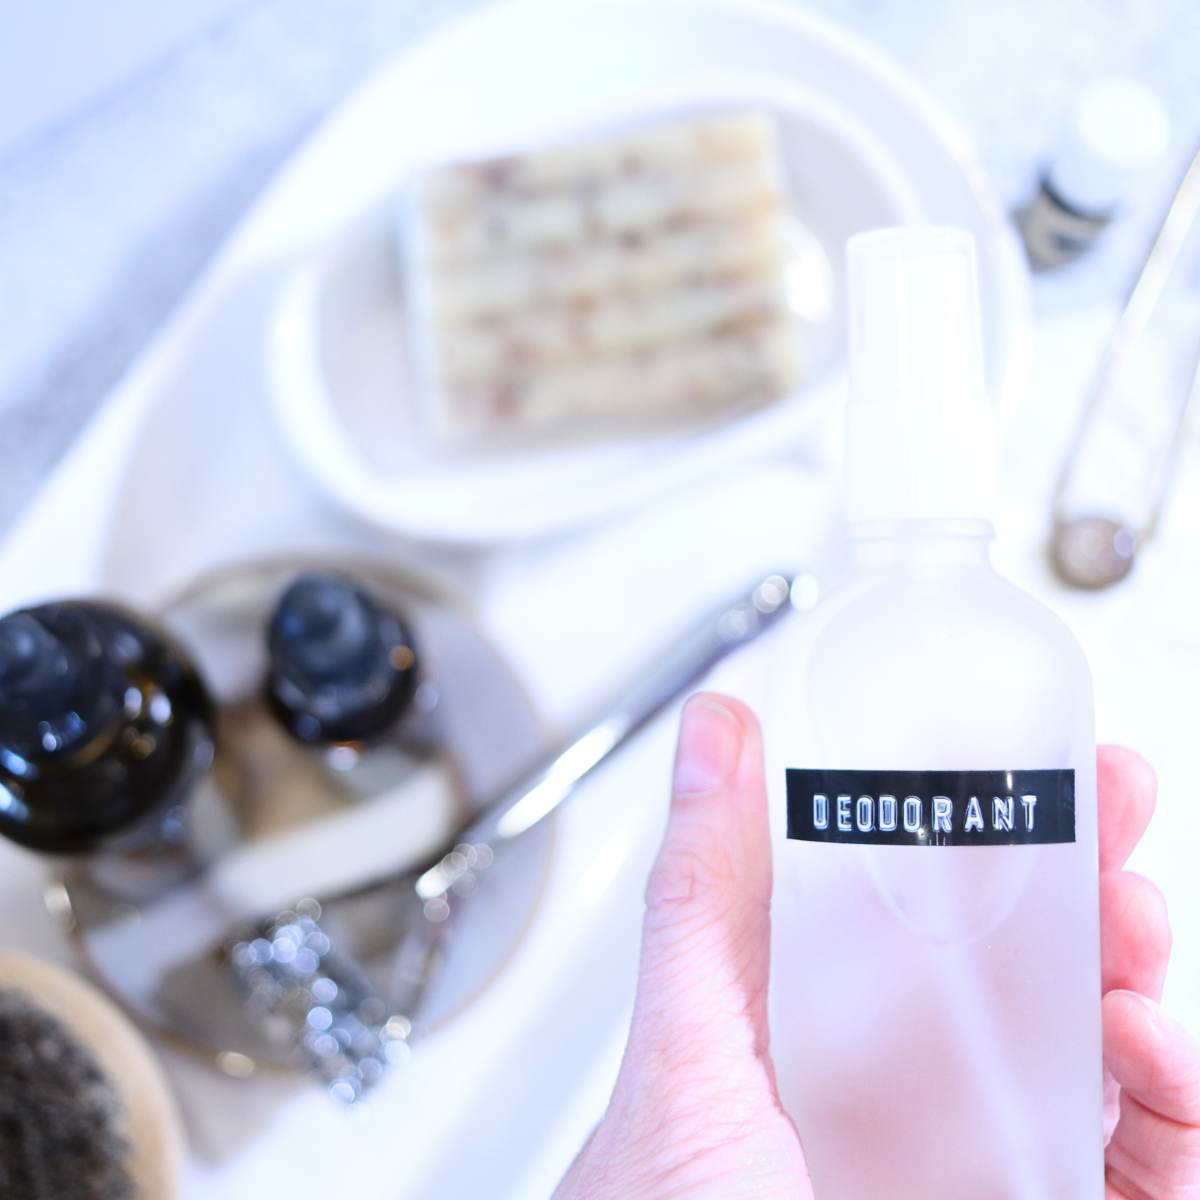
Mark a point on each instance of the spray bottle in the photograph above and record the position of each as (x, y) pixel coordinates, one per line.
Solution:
(936, 983)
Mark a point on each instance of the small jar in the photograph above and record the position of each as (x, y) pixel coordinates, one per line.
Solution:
(343, 679)
(1119, 130)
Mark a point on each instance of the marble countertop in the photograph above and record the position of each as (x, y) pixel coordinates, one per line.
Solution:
(105, 220)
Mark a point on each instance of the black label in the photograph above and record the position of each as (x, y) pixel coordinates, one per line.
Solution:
(931, 808)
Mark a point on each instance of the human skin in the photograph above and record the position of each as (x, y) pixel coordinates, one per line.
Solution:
(695, 1112)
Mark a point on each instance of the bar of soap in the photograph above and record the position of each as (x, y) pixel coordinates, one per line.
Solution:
(626, 276)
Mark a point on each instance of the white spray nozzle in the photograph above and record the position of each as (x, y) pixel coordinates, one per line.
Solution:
(920, 442)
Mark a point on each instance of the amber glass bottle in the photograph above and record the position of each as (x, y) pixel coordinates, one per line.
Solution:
(105, 729)
(343, 667)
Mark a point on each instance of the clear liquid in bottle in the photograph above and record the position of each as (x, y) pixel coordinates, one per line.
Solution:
(935, 972)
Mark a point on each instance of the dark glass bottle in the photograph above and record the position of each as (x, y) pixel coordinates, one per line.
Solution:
(343, 667)
(105, 728)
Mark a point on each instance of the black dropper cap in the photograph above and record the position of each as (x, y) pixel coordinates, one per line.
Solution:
(342, 666)
(59, 688)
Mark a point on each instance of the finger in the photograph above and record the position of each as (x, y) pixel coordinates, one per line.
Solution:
(1126, 789)
(1156, 1148)
(706, 936)
(695, 1111)
(1153, 1057)
(1135, 934)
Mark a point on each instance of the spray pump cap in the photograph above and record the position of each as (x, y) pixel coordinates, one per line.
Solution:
(920, 440)
(1119, 131)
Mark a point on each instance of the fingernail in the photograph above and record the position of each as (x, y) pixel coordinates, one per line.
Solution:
(1112, 1105)
(710, 743)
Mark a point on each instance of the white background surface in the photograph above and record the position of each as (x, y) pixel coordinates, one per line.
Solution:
(106, 217)
(133, 197)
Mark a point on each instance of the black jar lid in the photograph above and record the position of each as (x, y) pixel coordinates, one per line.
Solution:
(342, 666)
(59, 685)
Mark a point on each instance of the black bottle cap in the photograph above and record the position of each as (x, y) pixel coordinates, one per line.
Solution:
(58, 686)
(342, 666)
(32, 659)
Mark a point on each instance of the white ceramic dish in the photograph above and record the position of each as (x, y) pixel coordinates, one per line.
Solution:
(862, 147)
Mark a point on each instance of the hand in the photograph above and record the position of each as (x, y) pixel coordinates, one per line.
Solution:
(695, 1112)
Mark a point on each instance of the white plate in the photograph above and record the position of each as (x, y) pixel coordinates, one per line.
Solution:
(863, 148)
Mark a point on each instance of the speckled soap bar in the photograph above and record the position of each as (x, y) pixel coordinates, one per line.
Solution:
(634, 274)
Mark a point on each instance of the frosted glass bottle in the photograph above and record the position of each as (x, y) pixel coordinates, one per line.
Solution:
(935, 1002)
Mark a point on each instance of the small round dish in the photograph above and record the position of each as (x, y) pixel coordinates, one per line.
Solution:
(861, 148)
(278, 824)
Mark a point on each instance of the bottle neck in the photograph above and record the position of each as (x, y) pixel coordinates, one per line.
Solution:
(921, 543)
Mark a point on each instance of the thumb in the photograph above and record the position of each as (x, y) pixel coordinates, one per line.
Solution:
(695, 1111)
(706, 938)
